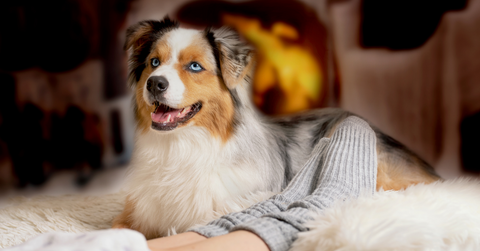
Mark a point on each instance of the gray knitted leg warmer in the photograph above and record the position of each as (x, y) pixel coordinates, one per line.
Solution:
(350, 169)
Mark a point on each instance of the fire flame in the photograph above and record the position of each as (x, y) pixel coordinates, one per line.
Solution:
(282, 64)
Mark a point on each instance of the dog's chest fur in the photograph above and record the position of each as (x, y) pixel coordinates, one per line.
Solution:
(189, 177)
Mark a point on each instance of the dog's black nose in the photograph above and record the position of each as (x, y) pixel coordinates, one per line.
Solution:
(157, 84)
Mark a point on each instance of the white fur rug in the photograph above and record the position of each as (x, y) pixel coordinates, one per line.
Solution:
(26, 218)
(439, 216)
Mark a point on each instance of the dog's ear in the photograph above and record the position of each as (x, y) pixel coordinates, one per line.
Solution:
(139, 41)
(234, 56)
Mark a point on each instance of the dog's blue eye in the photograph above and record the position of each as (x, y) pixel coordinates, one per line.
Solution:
(195, 67)
(155, 62)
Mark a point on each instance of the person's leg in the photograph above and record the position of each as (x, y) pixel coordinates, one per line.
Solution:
(235, 241)
(350, 169)
(173, 241)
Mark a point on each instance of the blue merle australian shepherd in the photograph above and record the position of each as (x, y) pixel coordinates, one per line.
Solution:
(202, 149)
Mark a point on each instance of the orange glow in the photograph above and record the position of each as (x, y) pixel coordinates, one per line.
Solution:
(281, 63)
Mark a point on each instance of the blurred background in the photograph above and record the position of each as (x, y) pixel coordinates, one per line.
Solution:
(412, 68)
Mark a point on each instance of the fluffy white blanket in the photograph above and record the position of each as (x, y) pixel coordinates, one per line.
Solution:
(439, 216)
(26, 218)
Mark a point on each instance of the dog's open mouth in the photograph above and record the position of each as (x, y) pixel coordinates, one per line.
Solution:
(166, 118)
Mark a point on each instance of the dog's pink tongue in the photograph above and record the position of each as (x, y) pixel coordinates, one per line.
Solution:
(162, 116)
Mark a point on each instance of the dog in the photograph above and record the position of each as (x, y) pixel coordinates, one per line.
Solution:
(202, 148)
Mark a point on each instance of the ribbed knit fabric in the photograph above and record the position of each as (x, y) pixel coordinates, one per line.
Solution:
(339, 168)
